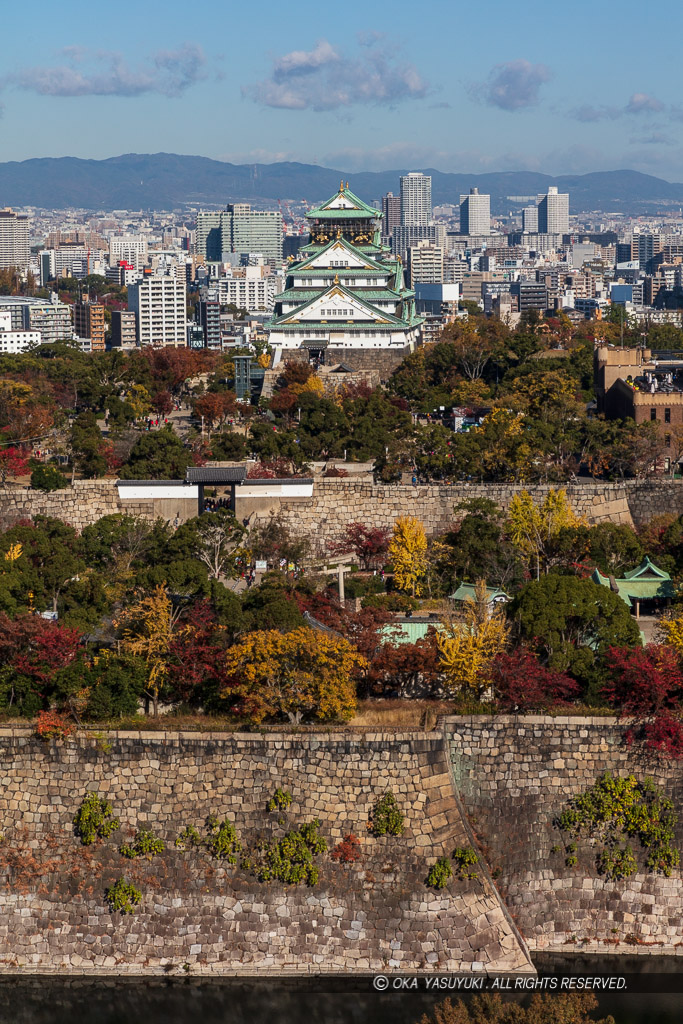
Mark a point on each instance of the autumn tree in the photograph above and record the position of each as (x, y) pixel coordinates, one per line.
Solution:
(408, 553)
(553, 1008)
(467, 648)
(646, 685)
(532, 527)
(521, 683)
(13, 463)
(216, 406)
(146, 630)
(368, 543)
(301, 674)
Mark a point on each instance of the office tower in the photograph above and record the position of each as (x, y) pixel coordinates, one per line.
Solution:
(644, 246)
(416, 199)
(475, 213)
(553, 212)
(208, 316)
(530, 219)
(15, 250)
(89, 323)
(391, 213)
(425, 264)
(238, 230)
(123, 329)
(130, 249)
(159, 304)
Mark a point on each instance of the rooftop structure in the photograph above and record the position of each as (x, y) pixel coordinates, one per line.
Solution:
(647, 583)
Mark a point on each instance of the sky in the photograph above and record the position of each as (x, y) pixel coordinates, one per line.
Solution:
(375, 85)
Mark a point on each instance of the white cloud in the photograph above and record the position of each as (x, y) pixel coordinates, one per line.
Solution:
(513, 85)
(169, 73)
(324, 79)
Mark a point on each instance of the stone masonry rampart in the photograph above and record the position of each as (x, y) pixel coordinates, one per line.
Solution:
(374, 915)
(514, 776)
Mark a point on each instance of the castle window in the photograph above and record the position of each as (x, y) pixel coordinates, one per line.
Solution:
(653, 414)
(667, 415)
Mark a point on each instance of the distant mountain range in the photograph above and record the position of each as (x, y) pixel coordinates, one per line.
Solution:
(165, 181)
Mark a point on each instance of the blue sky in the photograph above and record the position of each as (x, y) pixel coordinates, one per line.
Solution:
(561, 88)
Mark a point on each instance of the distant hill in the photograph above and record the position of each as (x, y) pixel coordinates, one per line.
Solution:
(165, 181)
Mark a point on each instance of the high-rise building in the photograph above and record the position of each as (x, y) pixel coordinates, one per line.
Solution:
(530, 219)
(89, 323)
(160, 308)
(15, 249)
(553, 212)
(425, 264)
(416, 199)
(475, 213)
(237, 230)
(123, 329)
(208, 316)
(391, 213)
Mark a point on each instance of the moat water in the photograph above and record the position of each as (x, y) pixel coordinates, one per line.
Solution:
(654, 995)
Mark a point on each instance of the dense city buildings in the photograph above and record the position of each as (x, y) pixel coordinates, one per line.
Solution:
(553, 212)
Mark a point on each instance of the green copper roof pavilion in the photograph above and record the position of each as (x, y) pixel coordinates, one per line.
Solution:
(647, 582)
(347, 292)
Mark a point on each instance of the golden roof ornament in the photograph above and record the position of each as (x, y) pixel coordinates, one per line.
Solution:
(336, 278)
(341, 185)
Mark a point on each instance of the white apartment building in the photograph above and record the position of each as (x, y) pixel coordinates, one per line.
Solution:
(475, 213)
(13, 342)
(50, 318)
(252, 291)
(425, 264)
(416, 199)
(160, 307)
(15, 248)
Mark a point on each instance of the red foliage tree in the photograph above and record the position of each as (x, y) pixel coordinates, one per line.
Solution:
(162, 403)
(348, 850)
(271, 469)
(13, 462)
(368, 543)
(405, 670)
(49, 647)
(646, 684)
(521, 683)
(194, 654)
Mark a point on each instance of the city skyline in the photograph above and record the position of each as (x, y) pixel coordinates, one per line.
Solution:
(469, 90)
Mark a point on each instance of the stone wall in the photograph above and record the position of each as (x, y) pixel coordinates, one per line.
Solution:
(80, 505)
(514, 775)
(373, 915)
(336, 503)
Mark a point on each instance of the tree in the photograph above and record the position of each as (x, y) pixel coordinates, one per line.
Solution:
(368, 543)
(271, 607)
(570, 623)
(147, 629)
(555, 1008)
(219, 538)
(47, 478)
(157, 455)
(33, 653)
(85, 444)
(162, 403)
(521, 683)
(467, 648)
(531, 527)
(13, 462)
(272, 541)
(646, 685)
(614, 548)
(304, 673)
(408, 553)
(195, 665)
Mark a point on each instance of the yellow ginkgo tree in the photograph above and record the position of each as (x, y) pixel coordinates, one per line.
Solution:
(408, 554)
(531, 527)
(468, 647)
(147, 629)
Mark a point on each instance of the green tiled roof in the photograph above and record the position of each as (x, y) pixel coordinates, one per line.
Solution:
(467, 592)
(345, 244)
(386, 271)
(388, 318)
(361, 209)
(407, 632)
(367, 294)
(645, 583)
(343, 327)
